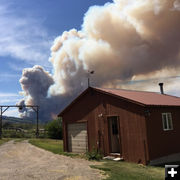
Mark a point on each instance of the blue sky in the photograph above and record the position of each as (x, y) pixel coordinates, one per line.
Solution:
(27, 30)
(29, 27)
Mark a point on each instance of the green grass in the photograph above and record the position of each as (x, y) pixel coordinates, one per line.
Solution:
(16, 140)
(130, 171)
(55, 146)
(3, 140)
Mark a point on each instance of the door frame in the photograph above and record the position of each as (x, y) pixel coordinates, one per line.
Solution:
(119, 131)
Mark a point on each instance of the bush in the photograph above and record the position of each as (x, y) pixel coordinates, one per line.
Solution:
(54, 129)
(94, 155)
(13, 134)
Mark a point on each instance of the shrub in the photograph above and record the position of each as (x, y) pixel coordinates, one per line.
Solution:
(94, 155)
(54, 129)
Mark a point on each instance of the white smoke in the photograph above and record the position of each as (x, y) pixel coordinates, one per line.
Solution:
(119, 41)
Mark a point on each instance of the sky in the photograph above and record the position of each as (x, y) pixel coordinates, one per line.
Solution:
(27, 31)
(130, 44)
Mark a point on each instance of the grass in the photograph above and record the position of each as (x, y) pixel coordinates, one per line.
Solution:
(129, 171)
(55, 146)
(16, 140)
(2, 141)
(12, 133)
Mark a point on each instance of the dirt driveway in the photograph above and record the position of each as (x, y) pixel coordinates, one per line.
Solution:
(23, 161)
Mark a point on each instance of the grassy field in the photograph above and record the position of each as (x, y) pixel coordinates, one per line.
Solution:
(3, 141)
(131, 171)
(55, 146)
(114, 170)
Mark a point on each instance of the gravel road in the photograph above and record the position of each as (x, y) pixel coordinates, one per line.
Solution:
(23, 161)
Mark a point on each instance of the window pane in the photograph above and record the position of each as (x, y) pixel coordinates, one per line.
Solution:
(164, 117)
(165, 124)
(167, 121)
(164, 121)
(114, 126)
(170, 124)
(169, 116)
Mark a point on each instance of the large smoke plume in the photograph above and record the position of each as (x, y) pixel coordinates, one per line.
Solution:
(120, 41)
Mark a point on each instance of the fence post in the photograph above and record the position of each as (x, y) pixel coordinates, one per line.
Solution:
(37, 121)
(1, 124)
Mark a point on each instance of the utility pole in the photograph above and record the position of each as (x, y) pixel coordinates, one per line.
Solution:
(37, 128)
(36, 109)
(89, 74)
(1, 124)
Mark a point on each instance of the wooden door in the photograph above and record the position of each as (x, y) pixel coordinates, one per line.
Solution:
(77, 137)
(114, 143)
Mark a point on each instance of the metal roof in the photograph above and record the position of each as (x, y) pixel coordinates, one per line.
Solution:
(144, 97)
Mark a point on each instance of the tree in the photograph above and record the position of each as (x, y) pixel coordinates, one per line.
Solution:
(54, 129)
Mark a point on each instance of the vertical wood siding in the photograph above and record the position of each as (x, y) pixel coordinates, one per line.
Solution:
(83, 111)
(163, 143)
(94, 108)
(131, 124)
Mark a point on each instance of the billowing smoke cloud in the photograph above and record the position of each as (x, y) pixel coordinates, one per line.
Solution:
(35, 83)
(119, 41)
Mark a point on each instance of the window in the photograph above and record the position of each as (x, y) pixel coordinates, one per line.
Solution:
(167, 121)
(114, 126)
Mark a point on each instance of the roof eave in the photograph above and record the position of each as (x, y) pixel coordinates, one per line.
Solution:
(114, 95)
(68, 106)
(160, 105)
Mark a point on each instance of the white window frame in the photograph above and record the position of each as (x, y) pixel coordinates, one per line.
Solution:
(168, 121)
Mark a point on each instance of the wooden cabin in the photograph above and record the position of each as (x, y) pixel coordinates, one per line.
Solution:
(142, 127)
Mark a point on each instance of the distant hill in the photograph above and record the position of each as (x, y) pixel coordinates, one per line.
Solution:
(16, 120)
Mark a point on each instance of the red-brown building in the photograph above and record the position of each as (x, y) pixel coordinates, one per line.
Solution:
(143, 127)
